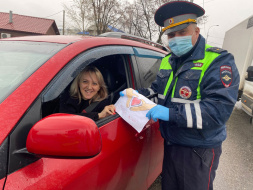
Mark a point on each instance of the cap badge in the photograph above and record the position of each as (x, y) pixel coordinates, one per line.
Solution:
(179, 23)
(171, 21)
(185, 92)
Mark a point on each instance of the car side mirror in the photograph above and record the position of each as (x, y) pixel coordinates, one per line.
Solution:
(249, 74)
(64, 135)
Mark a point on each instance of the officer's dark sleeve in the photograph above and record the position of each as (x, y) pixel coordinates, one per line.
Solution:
(151, 91)
(219, 90)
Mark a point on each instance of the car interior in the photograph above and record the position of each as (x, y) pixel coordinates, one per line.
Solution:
(114, 74)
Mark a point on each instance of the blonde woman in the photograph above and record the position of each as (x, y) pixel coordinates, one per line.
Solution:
(87, 88)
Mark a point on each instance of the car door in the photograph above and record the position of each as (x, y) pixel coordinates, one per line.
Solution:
(146, 65)
(19, 59)
(122, 162)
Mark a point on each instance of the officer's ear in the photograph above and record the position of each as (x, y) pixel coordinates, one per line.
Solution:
(195, 35)
(196, 30)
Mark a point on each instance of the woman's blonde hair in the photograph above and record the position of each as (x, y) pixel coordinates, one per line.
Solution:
(75, 90)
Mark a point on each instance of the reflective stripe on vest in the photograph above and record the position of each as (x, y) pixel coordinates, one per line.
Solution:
(165, 65)
(208, 59)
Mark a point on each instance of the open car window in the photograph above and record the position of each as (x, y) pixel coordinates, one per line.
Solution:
(111, 61)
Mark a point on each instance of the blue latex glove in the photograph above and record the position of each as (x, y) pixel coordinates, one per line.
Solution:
(122, 94)
(158, 112)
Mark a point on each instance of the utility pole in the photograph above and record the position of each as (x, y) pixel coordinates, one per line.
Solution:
(63, 27)
(208, 31)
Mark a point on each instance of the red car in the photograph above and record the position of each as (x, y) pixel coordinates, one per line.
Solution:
(43, 149)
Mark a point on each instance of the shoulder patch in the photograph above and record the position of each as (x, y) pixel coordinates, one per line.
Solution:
(215, 50)
(226, 75)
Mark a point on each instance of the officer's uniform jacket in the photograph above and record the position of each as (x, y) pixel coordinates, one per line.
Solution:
(200, 96)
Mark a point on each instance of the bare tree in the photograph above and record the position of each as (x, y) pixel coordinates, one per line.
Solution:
(78, 13)
(93, 13)
(143, 21)
(135, 18)
(104, 13)
(139, 17)
(127, 16)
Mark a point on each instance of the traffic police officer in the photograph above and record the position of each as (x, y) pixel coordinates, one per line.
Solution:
(197, 88)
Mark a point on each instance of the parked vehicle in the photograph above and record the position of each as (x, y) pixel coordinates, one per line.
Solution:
(239, 41)
(43, 149)
(247, 96)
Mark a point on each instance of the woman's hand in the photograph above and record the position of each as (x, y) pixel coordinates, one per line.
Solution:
(108, 110)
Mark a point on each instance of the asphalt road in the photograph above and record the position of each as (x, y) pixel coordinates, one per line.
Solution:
(235, 171)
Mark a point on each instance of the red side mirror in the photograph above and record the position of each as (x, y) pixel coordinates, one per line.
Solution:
(64, 135)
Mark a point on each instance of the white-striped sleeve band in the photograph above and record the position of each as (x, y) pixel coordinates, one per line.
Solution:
(198, 115)
(151, 91)
(161, 96)
(155, 100)
(179, 100)
(189, 113)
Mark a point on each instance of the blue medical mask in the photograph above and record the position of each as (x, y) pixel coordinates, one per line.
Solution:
(180, 45)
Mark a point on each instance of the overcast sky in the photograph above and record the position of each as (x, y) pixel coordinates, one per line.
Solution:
(225, 13)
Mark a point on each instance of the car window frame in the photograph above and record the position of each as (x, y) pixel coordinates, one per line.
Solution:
(19, 157)
(143, 53)
(4, 158)
(56, 87)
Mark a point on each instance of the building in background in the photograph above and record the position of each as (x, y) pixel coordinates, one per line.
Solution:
(239, 41)
(14, 25)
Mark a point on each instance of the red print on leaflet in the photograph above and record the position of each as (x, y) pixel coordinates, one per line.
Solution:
(136, 101)
(136, 104)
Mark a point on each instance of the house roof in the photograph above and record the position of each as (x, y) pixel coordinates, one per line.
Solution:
(26, 23)
(93, 27)
(115, 29)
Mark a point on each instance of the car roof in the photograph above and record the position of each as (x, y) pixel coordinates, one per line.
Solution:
(66, 39)
(48, 38)
(75, 43)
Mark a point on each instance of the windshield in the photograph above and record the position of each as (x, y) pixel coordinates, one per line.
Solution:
(18, 60)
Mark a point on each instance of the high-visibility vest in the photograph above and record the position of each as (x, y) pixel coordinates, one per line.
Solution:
(208, 59)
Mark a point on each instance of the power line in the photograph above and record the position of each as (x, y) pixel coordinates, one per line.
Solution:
(216, 37)
(205, 2)
(209, 1)
(53, 14)
(214, 43)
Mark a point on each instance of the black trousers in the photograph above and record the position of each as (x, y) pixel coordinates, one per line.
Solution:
(187, 168)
